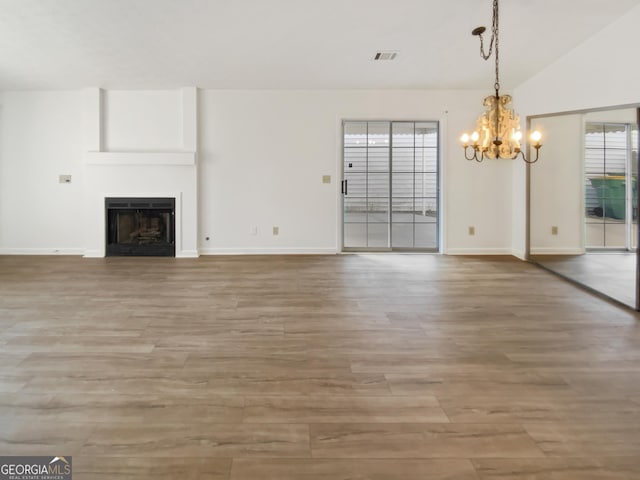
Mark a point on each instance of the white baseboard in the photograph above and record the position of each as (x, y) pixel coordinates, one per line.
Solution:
(519, 254)
(187, 254)
(268, 251)
(479, 251)
(182, 254)
(41, 251)
(276, 251)
(557, 251)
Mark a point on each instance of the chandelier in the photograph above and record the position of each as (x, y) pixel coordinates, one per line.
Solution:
(497, 133)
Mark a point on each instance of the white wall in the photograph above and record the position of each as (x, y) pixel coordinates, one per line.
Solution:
(556, 187)
(601, 72)
(142, 121)
(41, 137)
(262, 155)
(623, 115)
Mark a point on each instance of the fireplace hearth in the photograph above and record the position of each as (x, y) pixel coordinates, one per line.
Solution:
(140, 227)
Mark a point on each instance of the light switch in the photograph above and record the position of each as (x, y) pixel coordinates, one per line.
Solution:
(276, 230)
(326, 179)
(64, 178)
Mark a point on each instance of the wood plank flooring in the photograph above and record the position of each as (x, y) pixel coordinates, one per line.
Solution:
(610, 273)
(316, 367)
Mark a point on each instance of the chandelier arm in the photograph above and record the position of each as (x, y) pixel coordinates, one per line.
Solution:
(535, 159)
(473, 157)
(521, 153)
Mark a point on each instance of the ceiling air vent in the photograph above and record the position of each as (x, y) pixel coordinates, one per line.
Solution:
(379, 56)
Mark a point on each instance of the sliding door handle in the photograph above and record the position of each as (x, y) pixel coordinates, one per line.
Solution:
(345, 187)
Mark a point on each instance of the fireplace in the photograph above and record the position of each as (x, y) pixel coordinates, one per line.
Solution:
(140, 227)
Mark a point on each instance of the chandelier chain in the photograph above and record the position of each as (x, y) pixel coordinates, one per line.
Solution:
(488, 54)
(495, 42)
(495, 34)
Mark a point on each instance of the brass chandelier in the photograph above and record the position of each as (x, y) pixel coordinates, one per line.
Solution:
(497, 133)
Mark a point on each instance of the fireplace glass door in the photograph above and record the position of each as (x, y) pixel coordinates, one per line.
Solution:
(140, 226)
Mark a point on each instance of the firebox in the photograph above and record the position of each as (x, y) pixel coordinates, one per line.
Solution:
(140, 227)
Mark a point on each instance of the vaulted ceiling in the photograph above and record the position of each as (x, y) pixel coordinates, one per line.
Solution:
(284, 44)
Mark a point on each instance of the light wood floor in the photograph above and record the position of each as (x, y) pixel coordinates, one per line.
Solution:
(328, 367)
(611, 273)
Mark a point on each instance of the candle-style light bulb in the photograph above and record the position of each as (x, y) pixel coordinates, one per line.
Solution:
(536, 136)
(465, 138)
(475, 136)
(517, 135)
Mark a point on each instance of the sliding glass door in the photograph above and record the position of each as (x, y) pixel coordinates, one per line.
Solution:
(414, 160)
(390, 186)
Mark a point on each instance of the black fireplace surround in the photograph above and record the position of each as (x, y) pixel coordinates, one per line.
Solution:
(140, 227)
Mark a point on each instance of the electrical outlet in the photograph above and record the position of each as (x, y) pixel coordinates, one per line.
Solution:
(326, 179)
(472, 231)
(254, 230)
(276, 230)
(554, 230)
